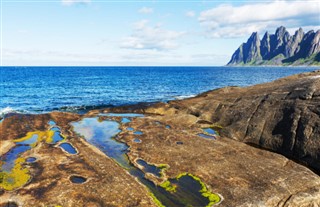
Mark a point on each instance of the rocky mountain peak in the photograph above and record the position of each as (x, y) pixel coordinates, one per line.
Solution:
(278, 48)
(281, 31)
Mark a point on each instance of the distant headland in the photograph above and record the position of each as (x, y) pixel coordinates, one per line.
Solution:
(279, 49)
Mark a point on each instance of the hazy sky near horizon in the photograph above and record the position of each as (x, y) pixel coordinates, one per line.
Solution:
(140, 33)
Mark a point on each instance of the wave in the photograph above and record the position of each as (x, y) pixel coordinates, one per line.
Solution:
(4, 112)
(184, 96)
(8, 110)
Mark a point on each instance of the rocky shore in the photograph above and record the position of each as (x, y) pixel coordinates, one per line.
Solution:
(265, 151)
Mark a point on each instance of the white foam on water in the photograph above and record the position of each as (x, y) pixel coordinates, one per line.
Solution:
(184, 97)
(7, 110)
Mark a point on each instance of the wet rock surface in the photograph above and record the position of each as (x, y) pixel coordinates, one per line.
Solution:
(282, 116)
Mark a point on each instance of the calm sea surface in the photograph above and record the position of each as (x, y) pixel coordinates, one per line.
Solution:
(43, 89)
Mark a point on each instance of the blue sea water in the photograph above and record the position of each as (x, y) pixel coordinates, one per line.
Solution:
(44, 89)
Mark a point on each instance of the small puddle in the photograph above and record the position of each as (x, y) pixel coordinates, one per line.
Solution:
(210, 131)
(10, 157)
(68, 148)
(121, 114)
(136, 140)
(78, 179)
(55, 129)
(52, 123)
(206, 136)
(179, 142)
(13, 173)
(184, 190)
(168, 127)
(31, 159)
(138, 132)
(196, 191)
(56, 137)
(156, 171)
(100, 134)
(125, 120)
(130, 128)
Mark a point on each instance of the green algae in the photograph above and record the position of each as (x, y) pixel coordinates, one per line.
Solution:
(13, 173)
(163, 168)
(16, 178)
(46, 136)
(167, 185)
(155, 200)
(213, 198)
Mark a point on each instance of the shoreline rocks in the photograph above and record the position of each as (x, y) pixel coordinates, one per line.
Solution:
(282, 116)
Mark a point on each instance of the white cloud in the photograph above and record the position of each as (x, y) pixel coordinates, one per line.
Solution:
(151, 37)
(70, 2)
(146, 10)
(237, 21)
(190, 14)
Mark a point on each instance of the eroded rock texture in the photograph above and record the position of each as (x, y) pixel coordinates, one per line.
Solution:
(283, 116)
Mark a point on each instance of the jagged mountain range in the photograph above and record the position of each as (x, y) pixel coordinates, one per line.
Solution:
(279, 49)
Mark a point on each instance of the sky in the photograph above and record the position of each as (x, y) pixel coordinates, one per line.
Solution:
(141, 33)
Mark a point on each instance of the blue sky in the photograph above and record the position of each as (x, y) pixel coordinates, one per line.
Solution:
(102, 32)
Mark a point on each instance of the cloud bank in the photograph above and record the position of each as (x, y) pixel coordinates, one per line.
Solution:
(227, 20)
(151, 37)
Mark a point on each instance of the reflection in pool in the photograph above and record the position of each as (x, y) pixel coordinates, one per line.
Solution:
(136, 140)
(125, 120)
(68, 148)
(210, 131)
(138, 132)
(101, 134)
(184, 190)
(130, 128)
(156, 171)
(32, 140)
(52, 123)
(10, 157)
(13, 173)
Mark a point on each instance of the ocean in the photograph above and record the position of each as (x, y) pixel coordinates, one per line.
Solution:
(77, 89)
